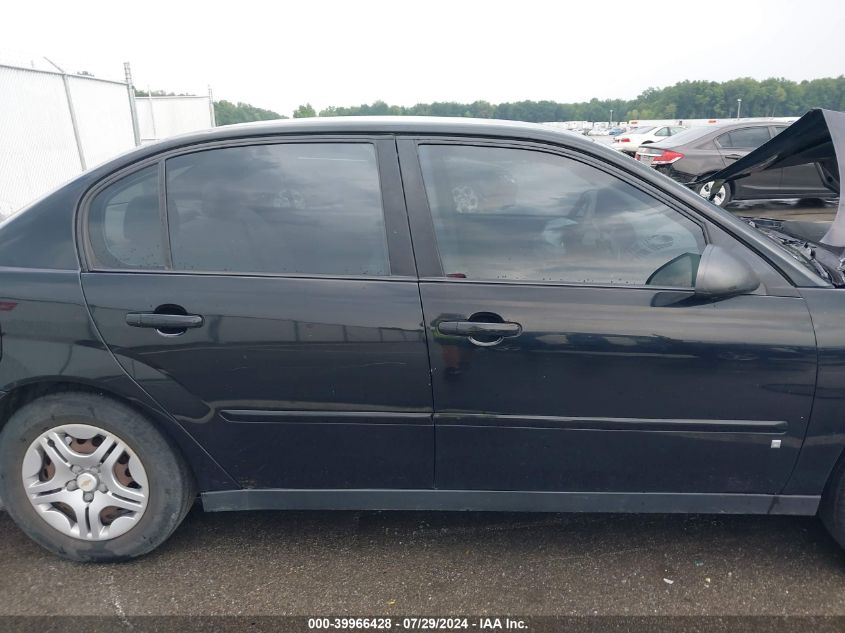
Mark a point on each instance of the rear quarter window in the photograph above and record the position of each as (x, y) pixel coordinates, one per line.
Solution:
(124, 223)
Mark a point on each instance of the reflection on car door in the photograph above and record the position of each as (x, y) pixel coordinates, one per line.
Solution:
(562, 361)
(284, 328)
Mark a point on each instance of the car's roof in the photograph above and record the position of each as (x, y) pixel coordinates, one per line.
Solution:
(356, 125)
(732, 125)
(404, 124)
(729, 124)
(411, 125)
(377, 125)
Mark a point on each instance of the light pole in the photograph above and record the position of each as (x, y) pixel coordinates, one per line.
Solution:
(611, 117)
(738, 107)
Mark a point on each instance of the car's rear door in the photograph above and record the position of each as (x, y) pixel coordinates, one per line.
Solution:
(567, 350)
(264, 293)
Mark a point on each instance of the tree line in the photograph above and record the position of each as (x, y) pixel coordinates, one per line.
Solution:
(684, 100)
(226, 113)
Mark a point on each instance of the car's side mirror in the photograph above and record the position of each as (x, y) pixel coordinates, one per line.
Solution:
(721, 275)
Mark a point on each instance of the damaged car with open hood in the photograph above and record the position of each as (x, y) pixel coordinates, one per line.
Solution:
(810, 143)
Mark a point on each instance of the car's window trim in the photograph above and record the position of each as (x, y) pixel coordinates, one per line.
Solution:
(164, 218)
(559, 284)
(393, 228)
(229, 273)
(548, 149)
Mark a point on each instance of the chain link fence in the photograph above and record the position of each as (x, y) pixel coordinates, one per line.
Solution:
(54, 125)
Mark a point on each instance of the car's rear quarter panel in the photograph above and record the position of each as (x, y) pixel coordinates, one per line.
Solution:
(47, 338)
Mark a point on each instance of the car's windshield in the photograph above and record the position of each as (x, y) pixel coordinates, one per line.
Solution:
(642, 130)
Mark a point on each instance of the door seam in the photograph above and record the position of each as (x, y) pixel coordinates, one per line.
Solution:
(424, 319)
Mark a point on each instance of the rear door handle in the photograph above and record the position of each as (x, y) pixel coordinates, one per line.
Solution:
(475, 328)
(733, 156)
(163, 321)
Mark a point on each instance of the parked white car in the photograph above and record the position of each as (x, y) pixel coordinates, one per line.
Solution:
(629, 141)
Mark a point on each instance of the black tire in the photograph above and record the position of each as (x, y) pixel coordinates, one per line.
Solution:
(171, 484)
(832, 509)
(725, 201)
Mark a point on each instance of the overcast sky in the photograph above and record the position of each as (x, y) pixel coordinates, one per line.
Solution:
(278, 55)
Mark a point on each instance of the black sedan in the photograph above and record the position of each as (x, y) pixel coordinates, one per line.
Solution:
(699, 152)
(405, 314)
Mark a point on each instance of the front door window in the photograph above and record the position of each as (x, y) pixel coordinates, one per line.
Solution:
(524, 215)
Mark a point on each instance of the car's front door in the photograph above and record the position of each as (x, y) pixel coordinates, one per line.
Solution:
(801, 180)
(738, 142)
(278, 319)
(568, 352)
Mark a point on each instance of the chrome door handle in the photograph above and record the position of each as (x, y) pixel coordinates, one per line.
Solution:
(163, 321)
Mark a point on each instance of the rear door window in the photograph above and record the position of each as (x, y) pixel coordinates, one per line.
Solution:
(301, 208)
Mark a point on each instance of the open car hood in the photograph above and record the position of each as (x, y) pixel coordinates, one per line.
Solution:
(814, 138)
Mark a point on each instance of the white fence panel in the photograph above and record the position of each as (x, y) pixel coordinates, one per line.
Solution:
(160, 117)
(37, 146)
(103, 117)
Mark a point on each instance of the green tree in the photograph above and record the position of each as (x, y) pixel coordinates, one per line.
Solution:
(226, 113)
(158, 93)
(304, 112)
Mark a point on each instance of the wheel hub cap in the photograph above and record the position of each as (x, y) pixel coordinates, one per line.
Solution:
(707, 189)
(85, 482)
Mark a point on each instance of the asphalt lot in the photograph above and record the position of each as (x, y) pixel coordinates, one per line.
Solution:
(369, 563)
(306, 563)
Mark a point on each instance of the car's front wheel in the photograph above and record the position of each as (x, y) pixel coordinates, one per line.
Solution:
(90, 478)
(721, 197)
